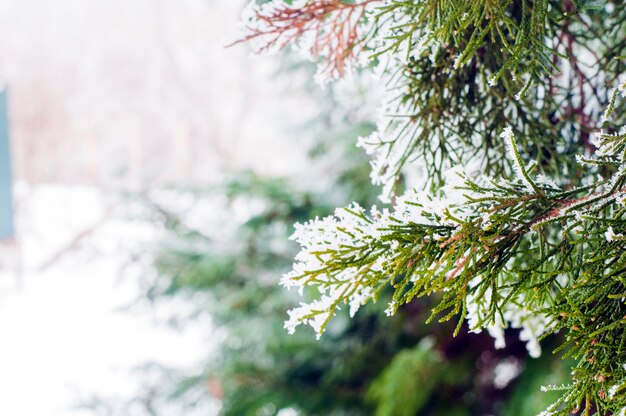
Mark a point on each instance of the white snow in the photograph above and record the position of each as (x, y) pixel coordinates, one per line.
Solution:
(66, 331)
(116, 96)
(60, 347)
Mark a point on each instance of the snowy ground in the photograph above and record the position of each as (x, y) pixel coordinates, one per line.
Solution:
(124, 96)
(66, 332)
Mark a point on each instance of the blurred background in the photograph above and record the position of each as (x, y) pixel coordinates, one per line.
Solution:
(109, 100)
(149, 180)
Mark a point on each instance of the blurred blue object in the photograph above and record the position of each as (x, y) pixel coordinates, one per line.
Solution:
(6, 198)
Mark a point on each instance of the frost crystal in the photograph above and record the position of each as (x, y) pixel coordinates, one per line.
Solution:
(391, 309)
(612, 390)
(610, 235)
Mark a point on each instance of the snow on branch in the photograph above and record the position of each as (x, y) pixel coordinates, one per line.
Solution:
(464, 246)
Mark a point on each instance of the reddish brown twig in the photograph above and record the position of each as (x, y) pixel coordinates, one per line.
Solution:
(332, 25)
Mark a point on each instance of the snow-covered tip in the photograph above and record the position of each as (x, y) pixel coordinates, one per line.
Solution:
(520, 94)
(622, 88)
(360, 298)
(610, 235)
(392, 308)
(613, 390)
(315, 314)
(507, 134)
(606, 114)
(518, 166)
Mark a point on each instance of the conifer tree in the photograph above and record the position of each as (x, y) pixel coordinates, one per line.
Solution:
(368, 364)
(500, 150)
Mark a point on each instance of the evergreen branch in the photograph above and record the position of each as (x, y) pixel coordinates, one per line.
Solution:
(328, 27)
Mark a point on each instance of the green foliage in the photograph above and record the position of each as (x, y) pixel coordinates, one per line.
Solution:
(528, 397)
(502, 124)
(363, 365)
(521, 100)
(518, 28)
(408, 382)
